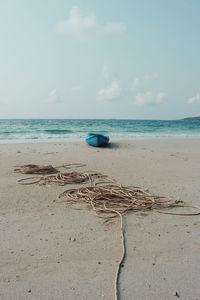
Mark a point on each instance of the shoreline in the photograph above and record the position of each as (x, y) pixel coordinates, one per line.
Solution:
(82, 140)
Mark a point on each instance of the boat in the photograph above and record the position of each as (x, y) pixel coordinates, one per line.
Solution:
(97, 139)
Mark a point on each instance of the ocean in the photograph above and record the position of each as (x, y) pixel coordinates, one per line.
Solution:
(24, 130)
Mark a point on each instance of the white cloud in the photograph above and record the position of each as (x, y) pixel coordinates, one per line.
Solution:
(148, 98)
(81, 26)
(194, 99)
(54, 97)
(110, 93)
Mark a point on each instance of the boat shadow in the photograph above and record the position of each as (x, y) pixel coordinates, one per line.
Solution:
(112, 146)
(107, 147)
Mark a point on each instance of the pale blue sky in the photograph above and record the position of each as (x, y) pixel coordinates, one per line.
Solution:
(99, 59)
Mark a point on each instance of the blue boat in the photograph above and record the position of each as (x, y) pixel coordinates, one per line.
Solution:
(97, 139)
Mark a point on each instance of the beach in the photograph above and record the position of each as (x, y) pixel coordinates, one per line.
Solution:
(50, 250)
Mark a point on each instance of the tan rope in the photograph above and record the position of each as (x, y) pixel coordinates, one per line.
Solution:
(122, 258)
(111, 200)
(36, 169)
(62, 178)
(107, 200)
(119, 198)
(71, 165)
(21, 181)
(44, 170)
(182, 214)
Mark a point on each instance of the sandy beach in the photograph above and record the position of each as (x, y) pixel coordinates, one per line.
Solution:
(49, 250)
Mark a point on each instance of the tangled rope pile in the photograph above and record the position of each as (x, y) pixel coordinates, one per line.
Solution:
(62, 178)
(107, 199)
(110, 201)
(44, 170)
(36, 169)
(66, 178)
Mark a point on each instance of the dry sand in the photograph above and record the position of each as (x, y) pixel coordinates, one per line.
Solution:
(51, 251)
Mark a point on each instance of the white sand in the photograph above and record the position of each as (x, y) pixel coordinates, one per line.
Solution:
(51, 251)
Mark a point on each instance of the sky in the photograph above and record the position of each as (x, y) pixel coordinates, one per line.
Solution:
(130, 59)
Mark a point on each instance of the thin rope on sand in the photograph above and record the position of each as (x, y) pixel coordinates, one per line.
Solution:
(108, 200)
(111, 200)
(122, 258)
(62, 178)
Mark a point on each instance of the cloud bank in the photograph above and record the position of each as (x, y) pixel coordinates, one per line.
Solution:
(194, 99)
(148, 98)
(110, 93)
(83, 26)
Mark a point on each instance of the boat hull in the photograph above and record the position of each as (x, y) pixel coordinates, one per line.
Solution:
(97, 140)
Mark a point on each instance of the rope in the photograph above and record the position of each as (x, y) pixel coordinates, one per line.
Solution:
(123, 254)
(181, 214)
(108, 201)
(62, 178)
(45, 170)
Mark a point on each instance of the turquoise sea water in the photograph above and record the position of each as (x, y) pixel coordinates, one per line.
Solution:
(72, 129)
